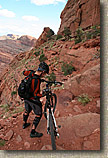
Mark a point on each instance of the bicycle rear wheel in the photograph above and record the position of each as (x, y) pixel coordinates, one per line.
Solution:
(52, 131)
(53, 102)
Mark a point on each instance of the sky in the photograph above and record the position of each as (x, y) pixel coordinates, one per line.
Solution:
(29, 17)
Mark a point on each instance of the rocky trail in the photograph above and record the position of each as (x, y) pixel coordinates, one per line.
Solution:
(79, 130)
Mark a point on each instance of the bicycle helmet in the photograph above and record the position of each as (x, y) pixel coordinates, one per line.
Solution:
(43, 67)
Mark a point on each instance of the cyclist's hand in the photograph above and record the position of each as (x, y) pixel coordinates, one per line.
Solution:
(22, 99)
(43, 93)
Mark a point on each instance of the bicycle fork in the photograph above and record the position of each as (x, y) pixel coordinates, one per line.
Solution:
(55, 125)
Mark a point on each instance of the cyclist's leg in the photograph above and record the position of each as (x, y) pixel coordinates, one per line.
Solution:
(37, 108)
(36, 121)
(28, 109)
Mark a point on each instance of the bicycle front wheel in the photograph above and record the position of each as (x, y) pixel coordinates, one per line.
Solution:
(53, 102)
(52, 132)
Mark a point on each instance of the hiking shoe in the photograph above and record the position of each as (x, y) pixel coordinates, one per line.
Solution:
(36, 134)
(25, 125)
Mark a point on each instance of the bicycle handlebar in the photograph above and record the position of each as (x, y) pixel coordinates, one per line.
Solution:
(53, 82)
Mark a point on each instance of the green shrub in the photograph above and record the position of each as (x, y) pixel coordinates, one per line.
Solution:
(84, 99)
(18, 110)
(5, 107)
(85, 35)
(89, 35)
(42, 57)
(37, 53)
(13, 93)
(2, 142)
(51, 77)
(67, 68)
(93, 33)
(96, 31)
(79, 35)
(67, 33)
(58, 36)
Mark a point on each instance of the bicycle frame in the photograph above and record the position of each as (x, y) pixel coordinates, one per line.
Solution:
(49, 115)
(54, 122)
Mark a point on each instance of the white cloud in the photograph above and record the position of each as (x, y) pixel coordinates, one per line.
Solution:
(6, 13)
(20, 27)
(64, 1)
(0, 6)
(30, 18)
(46, 2)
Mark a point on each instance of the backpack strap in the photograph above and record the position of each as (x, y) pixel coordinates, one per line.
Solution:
(35, 77)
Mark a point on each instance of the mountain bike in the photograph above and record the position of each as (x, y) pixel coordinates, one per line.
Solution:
(49, 109)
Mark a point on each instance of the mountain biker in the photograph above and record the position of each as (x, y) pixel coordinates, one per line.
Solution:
(34, 102)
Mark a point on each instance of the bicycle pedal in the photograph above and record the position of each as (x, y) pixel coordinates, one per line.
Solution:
(58, 135)
(59, 126)
(48, 131)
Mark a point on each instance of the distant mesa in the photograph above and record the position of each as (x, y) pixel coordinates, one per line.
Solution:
(18, 37)
(12, 36)
(9, 36)
(11, 45)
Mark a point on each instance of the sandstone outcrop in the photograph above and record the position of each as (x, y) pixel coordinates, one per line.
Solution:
(43, 38)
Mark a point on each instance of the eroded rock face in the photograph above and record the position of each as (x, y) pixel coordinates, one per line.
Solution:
(82, 13)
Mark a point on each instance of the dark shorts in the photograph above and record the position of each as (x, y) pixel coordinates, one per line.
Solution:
(36, 106)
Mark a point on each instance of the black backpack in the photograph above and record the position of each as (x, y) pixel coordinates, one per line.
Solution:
(25, 87)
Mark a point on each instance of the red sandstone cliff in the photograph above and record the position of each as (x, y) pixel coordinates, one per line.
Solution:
(80, 13)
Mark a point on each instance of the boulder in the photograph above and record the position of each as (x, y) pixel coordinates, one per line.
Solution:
(85, 83)
(64, 96)
(74, 128)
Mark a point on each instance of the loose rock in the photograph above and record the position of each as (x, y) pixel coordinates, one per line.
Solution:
(87, 145)
(98, 103)
(18, 139)
(27, 145)
(77, 109)
(9, 135)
